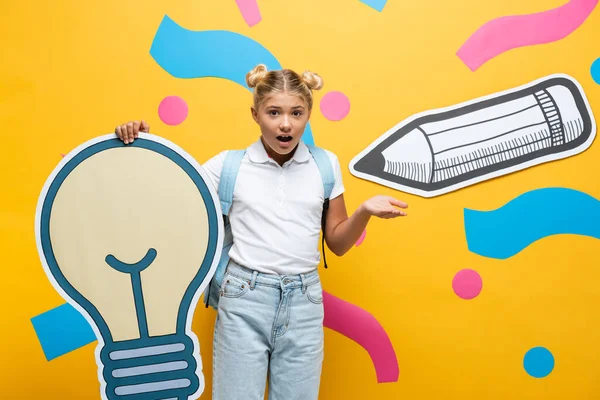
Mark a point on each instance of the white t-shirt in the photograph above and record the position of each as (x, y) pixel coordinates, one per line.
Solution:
(276, 212)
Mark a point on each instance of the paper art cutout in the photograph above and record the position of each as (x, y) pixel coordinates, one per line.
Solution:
(335, 106)
(538, 362)
(532, 216)
(505, 33)
(376, 4)
(360, 326)
(250, 11)
(62, 330)
(129, 235)
(595, 71)
(442, 150)
(222, 54)
(467, 284)
(173, 110)
(361, 239)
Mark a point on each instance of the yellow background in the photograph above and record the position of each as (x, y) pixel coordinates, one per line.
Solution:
(72, 70)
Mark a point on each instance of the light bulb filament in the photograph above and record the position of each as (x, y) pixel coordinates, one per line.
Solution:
(136, 282)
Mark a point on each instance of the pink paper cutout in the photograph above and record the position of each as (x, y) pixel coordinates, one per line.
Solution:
(467, 284)
(335, 106)
(173, 110)
(360, 326)
(63, 155)
(250, 11)
(361, 238)
(509, 32)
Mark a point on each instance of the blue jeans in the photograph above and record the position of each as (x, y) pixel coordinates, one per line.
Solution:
(268, 325)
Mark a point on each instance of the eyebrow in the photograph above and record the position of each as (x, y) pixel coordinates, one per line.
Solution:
(279, 108)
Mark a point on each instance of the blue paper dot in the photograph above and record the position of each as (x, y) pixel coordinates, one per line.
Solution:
(595, 70)
(538, 362)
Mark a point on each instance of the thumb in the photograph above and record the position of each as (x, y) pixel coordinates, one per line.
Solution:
(144, 127)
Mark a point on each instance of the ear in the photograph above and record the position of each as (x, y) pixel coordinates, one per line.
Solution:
(254, 114)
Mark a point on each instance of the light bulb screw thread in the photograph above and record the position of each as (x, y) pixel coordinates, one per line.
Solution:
(150, 368)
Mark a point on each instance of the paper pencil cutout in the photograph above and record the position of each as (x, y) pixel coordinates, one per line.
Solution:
(446, 149)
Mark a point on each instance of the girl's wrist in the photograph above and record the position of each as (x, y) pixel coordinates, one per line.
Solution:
(362, 210)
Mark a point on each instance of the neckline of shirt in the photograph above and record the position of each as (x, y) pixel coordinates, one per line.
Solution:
(258, 154)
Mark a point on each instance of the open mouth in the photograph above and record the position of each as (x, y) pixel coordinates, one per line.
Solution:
(284, 138)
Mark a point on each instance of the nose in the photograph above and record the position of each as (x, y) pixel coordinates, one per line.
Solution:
(285, 125)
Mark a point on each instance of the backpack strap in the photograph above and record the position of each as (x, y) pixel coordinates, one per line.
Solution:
(231, 166)
(325, 169)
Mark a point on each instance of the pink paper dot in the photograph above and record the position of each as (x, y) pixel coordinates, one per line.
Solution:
(335, 106)
(173, 110)
(467, 284)
(361, 238)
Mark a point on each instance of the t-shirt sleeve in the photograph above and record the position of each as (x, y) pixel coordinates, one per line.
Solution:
(213, 168)
(338, 185)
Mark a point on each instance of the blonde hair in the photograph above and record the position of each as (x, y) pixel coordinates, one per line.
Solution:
(266, 83)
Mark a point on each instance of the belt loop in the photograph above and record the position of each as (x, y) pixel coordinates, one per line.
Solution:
(303, 283)
(253, 281)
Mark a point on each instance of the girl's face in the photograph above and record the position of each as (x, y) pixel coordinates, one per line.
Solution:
(282, 118)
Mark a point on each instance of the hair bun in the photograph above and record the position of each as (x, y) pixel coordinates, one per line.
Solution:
(312, 80)
(257, 74)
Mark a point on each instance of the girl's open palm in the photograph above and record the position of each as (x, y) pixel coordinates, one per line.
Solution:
(385, 207)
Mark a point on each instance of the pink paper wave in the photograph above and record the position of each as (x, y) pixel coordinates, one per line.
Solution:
(250, 11)
(360, 326)
(509, 32)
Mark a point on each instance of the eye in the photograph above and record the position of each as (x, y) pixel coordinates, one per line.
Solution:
(297, 113)
(273, 113)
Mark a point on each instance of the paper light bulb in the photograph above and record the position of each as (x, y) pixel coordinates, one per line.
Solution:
(131, 235)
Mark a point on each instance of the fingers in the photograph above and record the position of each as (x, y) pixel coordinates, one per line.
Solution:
(119, 132)
(393, 213)
(398, 203)
(129, 133)
(399, 213)
(144, 127)
(136, 129)
(387, 215)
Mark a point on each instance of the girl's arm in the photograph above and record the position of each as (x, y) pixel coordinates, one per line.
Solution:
(342, 232)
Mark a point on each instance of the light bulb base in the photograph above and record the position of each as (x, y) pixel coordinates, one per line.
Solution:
(150, 368)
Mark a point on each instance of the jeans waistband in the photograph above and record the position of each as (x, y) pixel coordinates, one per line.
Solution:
(289, 281)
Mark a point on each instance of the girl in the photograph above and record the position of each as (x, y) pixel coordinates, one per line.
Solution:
(270, 315)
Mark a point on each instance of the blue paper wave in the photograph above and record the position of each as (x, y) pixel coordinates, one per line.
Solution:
(376, 4)
(532, 216)
(187, 54)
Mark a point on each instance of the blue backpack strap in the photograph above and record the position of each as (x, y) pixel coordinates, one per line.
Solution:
(326, 170)
(231, 166)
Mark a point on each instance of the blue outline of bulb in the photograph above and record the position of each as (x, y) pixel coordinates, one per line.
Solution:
(149, 353)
